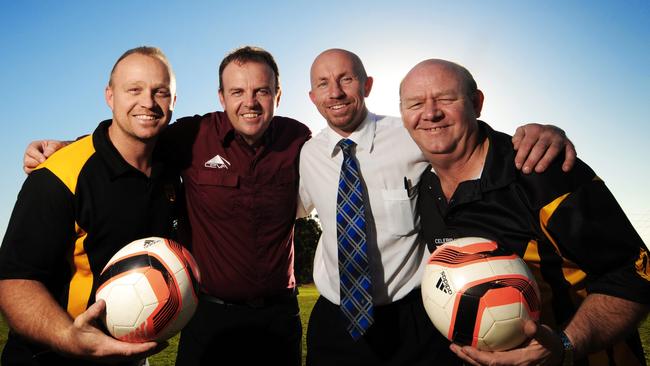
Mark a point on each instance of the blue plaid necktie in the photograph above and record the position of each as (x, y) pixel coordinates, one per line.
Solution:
(354, 272)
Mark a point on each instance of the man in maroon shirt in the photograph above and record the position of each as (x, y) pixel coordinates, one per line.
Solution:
(240, 171)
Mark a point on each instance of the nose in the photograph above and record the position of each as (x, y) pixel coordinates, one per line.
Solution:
(334, 90)
(431, 110)
(250, 100)
(147, 100)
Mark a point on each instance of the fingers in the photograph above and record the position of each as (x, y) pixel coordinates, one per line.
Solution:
(51, 147)
(543, 155)
(33, 155)
(530, 328)
(570, 156)
(90, 317)
(525, 138)
(537, 146)
(458, 350)
(545, 336)
(517, 137)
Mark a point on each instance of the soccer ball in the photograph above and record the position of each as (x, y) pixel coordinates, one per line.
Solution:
(151, 290)
(477, 293)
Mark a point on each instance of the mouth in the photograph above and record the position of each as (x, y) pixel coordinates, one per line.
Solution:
(147, 117)
(434, 129)
(251, 115)
(338, 106)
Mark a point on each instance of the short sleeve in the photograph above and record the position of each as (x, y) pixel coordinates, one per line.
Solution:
(592, 230)
(41, 231)
(305, 204)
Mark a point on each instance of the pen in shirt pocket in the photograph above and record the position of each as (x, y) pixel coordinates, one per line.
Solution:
(408, 186)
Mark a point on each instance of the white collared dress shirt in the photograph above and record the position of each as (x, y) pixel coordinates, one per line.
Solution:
(390, 165)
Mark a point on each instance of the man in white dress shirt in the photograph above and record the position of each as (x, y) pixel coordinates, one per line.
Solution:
(390, 165)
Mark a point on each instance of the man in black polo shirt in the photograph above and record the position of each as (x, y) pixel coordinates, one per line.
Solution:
(585, 254)
(79, 208)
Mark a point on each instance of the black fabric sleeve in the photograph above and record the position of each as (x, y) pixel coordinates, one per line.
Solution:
(40, 236)
(175, 144)
(592, 230)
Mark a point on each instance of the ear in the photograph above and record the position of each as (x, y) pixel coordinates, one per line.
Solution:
(277, 98)
(477, 103)
(222, 100)
(312, 96)
(108, 96)
(173, 104)
(367, 86)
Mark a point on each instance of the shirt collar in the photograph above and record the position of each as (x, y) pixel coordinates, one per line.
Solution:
(116, 164)
(363, 136)
(499, 168)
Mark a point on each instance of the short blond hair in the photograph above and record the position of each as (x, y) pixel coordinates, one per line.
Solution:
(150, 51)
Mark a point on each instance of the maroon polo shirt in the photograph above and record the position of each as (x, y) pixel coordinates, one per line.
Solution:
(241, 202)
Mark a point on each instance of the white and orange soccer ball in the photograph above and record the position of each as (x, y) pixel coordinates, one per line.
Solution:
(478, 294)
(151, 290)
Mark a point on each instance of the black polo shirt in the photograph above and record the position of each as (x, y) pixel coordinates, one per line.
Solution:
(76, 210)
(568, 227)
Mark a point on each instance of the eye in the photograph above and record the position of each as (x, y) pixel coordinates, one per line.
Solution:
(236, 93)
(163, 93)
(445, 101)
(346, 79)
(415, 105)
(321, 85)
(133, 90)
(264, 92)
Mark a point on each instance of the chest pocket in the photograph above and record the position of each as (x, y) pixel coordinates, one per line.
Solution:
(276, 198)
(400, 211)
(213, 177)
(219, 192)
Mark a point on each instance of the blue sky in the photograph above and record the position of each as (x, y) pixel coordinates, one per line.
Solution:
(582, 65)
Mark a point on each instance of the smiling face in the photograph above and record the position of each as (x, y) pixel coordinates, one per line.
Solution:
(141, 97)
(439, 107)
(249, 97)
(339, 87)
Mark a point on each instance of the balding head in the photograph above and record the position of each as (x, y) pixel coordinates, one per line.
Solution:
(440, 104)
(435, 66)
(339, 86)
(328, 56)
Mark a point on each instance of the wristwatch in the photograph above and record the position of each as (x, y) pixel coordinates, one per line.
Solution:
(567, 356)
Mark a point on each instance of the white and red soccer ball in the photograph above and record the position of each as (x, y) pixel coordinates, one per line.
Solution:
(478, 294)
(151, 290)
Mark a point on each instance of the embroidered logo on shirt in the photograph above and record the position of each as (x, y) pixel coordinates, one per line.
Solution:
(217, 162)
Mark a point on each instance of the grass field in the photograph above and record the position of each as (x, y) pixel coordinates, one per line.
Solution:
(307, 298)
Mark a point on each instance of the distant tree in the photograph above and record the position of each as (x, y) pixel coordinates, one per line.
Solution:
(306, 234)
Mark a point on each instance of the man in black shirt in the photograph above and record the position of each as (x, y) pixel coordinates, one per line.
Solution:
(585, 254)
(78, 209)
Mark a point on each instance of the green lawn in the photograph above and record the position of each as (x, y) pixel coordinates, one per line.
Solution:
(307, 298)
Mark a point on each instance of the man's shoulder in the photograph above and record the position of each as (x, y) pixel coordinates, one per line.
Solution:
(318, 141)
(197, 118)
(541, 188)
(388, 121)
(287, 124)
(67, 163)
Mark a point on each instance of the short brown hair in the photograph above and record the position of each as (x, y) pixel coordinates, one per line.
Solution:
(150, 51)
(246, 54)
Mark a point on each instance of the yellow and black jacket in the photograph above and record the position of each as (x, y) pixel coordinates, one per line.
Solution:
(568, 227)
(74, 212)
